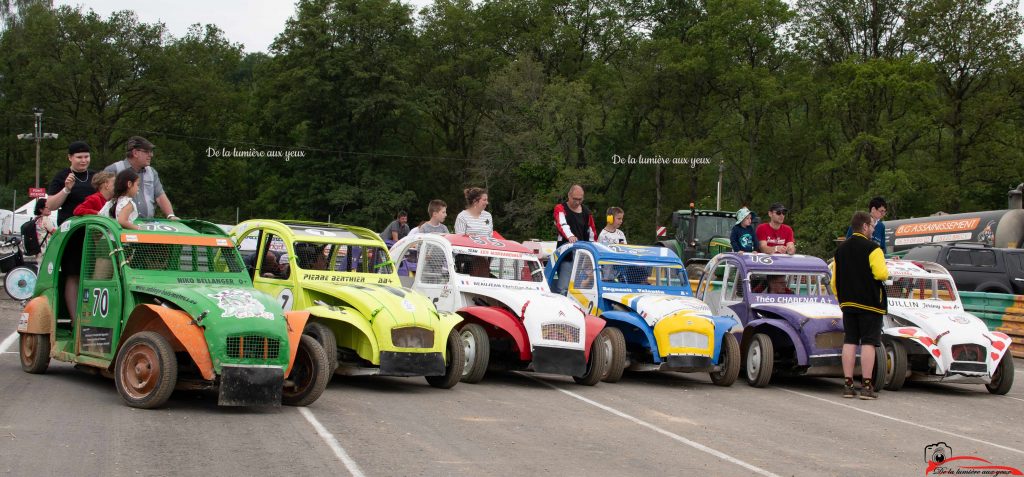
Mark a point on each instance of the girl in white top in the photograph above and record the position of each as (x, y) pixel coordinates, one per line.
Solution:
(612, 233)
(475, 220)
(126, 186)
(44, 227)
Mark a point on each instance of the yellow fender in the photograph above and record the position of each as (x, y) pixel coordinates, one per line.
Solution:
(296, 323)
(179, 329)
(37, 318)
(335, 314)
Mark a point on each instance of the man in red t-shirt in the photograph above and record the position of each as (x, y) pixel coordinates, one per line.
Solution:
(775, 236)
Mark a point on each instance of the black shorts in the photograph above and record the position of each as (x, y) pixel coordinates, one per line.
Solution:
(862, 328)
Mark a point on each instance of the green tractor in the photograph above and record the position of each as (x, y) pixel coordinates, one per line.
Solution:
(699, 235)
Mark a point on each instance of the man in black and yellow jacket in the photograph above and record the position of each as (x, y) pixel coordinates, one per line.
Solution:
(858, 276)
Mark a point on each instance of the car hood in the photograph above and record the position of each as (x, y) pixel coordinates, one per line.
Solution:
(540, 305)
(937, 321)
(224, 309)
(653, 307)
(396, 306)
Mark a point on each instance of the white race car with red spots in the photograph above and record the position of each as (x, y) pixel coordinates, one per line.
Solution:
(928, 335)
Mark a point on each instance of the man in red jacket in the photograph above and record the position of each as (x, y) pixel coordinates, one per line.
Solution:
(573, 219)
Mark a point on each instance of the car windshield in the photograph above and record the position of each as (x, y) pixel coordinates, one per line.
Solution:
(342, 258)
(503, 268)
(182, 258)
(802, 284)
(928, 288)
(642, 274)
(711, 226)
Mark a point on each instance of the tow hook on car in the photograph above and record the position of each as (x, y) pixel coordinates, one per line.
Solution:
(199, 319)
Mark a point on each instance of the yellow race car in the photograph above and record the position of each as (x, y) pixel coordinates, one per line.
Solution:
(344, 277)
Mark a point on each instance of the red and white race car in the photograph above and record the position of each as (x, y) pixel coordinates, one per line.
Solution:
(511, 320)
(928, 335)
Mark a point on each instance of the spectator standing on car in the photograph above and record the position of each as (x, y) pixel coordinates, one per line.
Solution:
(475, 220)
(742, 236)
(438, 211)
(573, 219)
(44, 226)
(859, 273)
(71, 186)
(139, 157)
(397, 229)
(121, 207)
(877, 209)
(103, 182)
(775, 236)
(612, 233)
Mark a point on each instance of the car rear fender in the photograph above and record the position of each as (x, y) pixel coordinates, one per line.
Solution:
(296, 323)
(37, 317)
(179, 329)
(773, 328)
(503, 320)
(362, 339)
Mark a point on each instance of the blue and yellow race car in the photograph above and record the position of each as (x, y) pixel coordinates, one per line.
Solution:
(653, 320)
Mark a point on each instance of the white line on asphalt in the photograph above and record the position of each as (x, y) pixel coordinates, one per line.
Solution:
(339, 451)
(877, 414)
(657, 429)
(1011, 397)
(7, 342)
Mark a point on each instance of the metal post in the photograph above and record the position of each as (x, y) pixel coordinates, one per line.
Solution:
(39, 138)
(721, 169)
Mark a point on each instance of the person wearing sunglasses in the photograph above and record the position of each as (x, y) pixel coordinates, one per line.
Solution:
(775, 236)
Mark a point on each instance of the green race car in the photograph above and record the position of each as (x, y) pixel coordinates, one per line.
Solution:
(343, 276)
(169, 306)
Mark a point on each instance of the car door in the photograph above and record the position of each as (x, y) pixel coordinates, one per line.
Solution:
(732, 292)
(100, 294)
(1015, 269)
(583, 286)
(275, 279)
(433, 276)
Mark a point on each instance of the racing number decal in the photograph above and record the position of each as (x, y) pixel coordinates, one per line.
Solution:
(100, 302)
(285, 298)
(484, 239)
(160, 227)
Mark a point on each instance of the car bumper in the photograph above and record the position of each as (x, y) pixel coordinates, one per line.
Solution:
(242, 385)
(565, 361)
(394, 363)
(687, 363)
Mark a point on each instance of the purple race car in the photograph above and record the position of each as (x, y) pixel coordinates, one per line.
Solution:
(792, 323)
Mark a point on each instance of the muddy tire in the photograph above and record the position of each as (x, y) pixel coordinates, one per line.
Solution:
(34, 351)
(309, 374)
(146, 370)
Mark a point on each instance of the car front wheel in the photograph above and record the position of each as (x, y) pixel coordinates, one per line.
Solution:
(309, 375)
(1002, 379)
(760, 360)
(728, 362)
(455, 360)
(35, 353)
(597, 365)
(146, 370)
(476, 347)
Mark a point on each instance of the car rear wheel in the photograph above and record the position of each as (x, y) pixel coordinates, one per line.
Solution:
(455, 361)
(476, 346)
(878, 374)
(1002, 379)
(309, 374)
(760, 360)
(615, 350)
(323, 335)
(597, 365)
(35, 353)
(896, 363)
(728, 362)
(146, 370)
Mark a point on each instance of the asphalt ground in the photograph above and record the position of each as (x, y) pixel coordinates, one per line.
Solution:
(67, 422)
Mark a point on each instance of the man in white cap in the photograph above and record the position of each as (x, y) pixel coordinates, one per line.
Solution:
(742, 236)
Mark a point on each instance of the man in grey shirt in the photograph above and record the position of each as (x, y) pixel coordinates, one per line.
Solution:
(397, 229)
(138, 156)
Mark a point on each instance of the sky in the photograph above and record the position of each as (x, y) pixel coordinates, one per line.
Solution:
(252, 23)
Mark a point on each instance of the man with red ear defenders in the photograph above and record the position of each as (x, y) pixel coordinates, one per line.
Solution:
(612, 233)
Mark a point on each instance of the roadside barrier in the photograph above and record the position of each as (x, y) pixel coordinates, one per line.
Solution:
(1001, 312)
